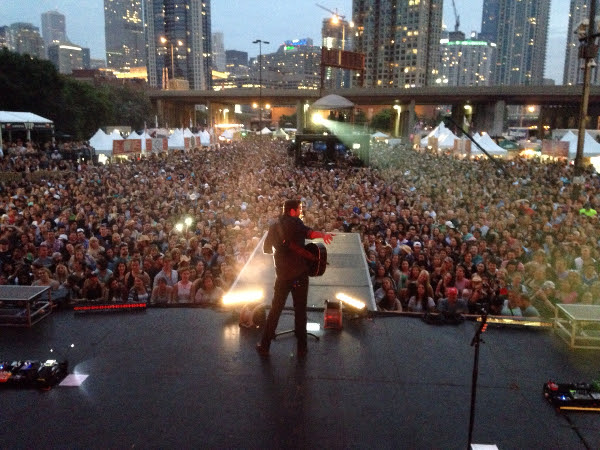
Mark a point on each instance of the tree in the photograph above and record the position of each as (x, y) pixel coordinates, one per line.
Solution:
(383, 120)
(77, 108)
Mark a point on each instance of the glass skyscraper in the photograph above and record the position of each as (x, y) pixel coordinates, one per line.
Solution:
(178, 40)
(519, 28)
(54, 28)
(124, 30)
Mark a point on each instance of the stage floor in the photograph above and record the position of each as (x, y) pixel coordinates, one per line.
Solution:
(191, 378)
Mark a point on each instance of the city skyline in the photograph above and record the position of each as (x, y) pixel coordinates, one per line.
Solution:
(85, 27)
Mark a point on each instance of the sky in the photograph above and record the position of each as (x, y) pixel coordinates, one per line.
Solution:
(243, 21)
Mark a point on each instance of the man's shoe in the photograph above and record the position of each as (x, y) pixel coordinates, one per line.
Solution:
(262, 350)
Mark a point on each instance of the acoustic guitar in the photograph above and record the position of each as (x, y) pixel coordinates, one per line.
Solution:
(317, 267)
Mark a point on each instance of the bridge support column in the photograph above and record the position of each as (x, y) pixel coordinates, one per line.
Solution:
(160, 112)
(408, 119)
(490, 118)
(300, 119)
(458, 116)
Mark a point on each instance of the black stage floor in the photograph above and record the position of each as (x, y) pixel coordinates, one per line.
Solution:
(191, 378)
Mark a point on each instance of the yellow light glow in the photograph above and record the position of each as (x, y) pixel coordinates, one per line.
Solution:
(188, 221)
(350, 301)
(179, 227)
(317, 118)
(237, 297)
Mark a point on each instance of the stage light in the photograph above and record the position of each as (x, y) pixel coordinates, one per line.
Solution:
(333, 315)
(350, 301)
(317, 118)
(238, 297)
(313, 326)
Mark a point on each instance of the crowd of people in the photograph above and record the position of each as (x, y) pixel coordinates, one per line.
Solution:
(440, 233)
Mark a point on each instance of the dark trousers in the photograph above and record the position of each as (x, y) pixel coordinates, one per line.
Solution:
(299, 290)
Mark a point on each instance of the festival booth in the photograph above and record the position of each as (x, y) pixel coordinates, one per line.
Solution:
(204, 137)
(280, 133)
(440, 137)
(487, 143)
(24, 122)
(178, 140)
(591, 147)
(102, 143)
(265, 131)
(379, 136)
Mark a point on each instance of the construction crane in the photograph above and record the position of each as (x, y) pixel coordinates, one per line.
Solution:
(335, 13)
(456, 16)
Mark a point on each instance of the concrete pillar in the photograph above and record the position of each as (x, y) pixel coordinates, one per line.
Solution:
(497, 127)
(489, 117)
(300, 117)
(458, 116)
(411, 120)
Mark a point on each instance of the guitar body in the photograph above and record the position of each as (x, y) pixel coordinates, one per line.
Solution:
(317, 268)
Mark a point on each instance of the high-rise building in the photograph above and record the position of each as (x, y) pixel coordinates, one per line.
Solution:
(124, 31)
(5, 37)
(68, 57)
(466, 62)
(178, 39)
(218, 51)
(295, 65)
(573, 73)
(236, 63)
(26, 39)
(54, 29)
(520, 31)
(337, 34)
(489, 20)
(400, 41)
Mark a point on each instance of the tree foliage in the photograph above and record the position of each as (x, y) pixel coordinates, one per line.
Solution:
(382, 121)
(77, 108)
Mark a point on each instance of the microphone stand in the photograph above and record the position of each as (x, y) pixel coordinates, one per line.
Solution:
(475, 342)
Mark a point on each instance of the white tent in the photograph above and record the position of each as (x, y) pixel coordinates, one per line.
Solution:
(265, 130)
(436, 132)
(176, 140)
(134, 135)
(21, 117)
(115, 135)
(590, 146)
(332, 102)
(204, 138)
(228, 134)
(379, 135)
(446, 139)
(101, 142)
(280, 133)
(488, 144)
(187, 133)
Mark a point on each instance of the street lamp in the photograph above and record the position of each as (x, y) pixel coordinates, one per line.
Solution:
(260, 42)
(164, 40)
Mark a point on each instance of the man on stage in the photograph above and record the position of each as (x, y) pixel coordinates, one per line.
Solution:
(286, 238)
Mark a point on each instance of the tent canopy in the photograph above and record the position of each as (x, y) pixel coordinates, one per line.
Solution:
(488, 144)
(591, 147)
(102, 142)
(332, 101)
(22, 117)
